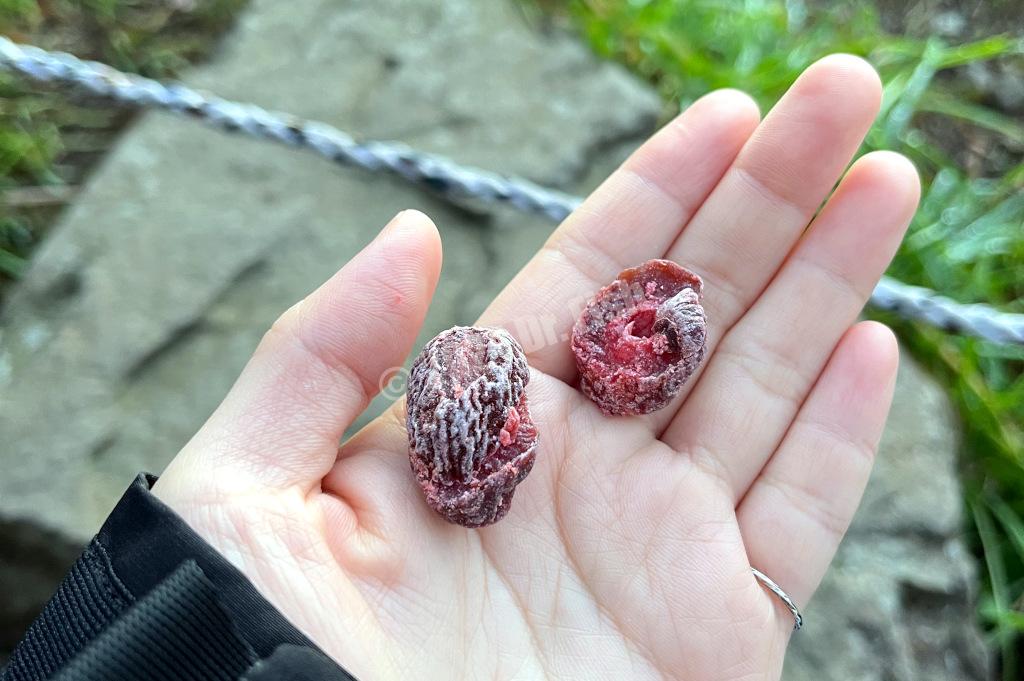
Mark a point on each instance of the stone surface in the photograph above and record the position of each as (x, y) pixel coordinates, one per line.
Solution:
(150, 295)
(147, 299)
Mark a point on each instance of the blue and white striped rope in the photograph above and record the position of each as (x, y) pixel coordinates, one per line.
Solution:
(435, 173)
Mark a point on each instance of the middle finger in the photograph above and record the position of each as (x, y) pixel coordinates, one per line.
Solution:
(748, 225)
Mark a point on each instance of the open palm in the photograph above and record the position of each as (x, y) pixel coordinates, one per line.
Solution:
(627, 551)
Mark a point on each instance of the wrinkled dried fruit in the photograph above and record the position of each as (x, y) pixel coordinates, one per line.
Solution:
(471, 440)
(640, 338)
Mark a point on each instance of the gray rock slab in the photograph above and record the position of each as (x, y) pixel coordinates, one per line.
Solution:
(142, 306)
(148, 298)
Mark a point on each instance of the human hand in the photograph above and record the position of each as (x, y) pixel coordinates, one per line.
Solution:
(627, 550)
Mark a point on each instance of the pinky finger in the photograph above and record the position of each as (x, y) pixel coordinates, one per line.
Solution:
(797, 511)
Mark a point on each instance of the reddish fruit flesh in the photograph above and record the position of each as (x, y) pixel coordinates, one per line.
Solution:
(640, 338)
(471, 440)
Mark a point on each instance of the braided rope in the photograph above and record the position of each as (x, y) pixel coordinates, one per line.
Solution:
(435, 173)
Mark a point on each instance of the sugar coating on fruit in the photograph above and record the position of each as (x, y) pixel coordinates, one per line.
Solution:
(471, 439)
(640, 338)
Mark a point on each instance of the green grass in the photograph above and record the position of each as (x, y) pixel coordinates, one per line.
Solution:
(966, 241)
(48, 141)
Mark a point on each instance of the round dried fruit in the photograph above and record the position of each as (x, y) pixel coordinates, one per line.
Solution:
(471, 440)
(640, 338)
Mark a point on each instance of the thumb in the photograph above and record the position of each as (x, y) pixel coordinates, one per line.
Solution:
(319, 366)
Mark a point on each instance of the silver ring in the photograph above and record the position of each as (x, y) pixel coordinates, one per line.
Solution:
(798, 619)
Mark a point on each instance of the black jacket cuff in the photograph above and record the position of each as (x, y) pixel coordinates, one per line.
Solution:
(149, 599)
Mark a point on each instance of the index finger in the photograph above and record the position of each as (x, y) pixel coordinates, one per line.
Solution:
(635, 215)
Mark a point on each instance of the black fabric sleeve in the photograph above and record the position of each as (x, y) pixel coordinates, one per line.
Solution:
(149, 599)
